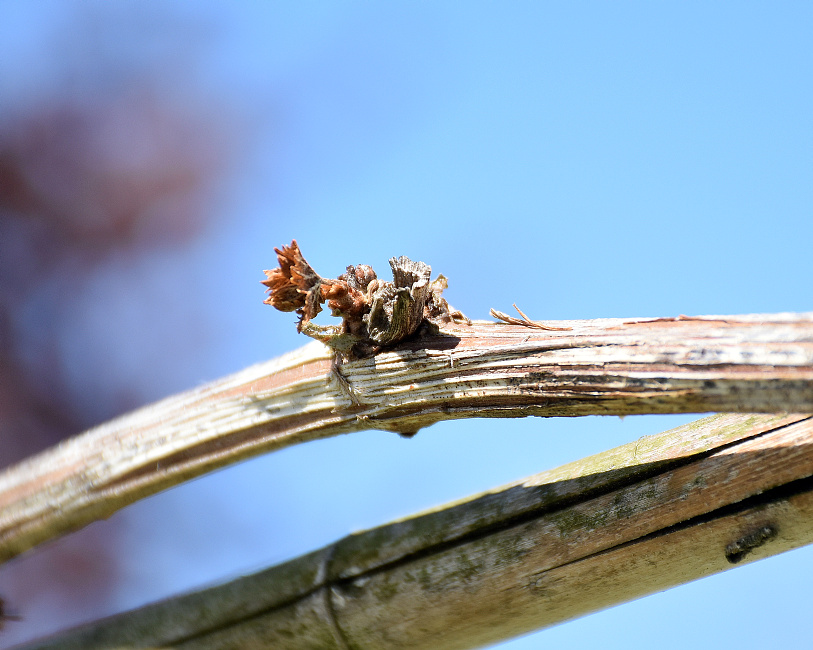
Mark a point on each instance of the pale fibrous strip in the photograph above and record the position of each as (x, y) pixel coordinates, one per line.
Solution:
(750, 363)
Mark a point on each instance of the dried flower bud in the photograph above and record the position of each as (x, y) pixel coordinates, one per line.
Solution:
(374, 314)
(359, 277)
(343, 299)
(294, 285)
(396, 309)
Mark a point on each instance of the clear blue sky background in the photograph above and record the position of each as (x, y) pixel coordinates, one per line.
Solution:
(584, 159)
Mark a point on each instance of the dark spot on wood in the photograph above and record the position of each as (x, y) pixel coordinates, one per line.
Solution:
(4, 617)
(736, 551)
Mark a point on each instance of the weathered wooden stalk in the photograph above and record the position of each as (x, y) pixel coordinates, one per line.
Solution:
(761, 363)
(658, 512)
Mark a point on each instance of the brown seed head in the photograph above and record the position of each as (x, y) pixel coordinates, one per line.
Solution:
(294, 285)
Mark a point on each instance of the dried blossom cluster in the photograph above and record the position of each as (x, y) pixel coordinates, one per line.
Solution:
(374, 313)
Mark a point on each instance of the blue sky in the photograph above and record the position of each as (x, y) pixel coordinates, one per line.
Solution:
(581, 159)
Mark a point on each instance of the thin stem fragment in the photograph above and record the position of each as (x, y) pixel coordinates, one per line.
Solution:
(527, 322)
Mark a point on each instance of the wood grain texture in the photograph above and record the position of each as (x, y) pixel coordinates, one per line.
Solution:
(755, 363)
(658, 512)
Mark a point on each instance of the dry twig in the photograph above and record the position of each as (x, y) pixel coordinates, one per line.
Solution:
(511, 320)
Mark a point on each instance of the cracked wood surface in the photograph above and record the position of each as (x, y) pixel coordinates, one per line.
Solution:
(754, 363)
(658, 512)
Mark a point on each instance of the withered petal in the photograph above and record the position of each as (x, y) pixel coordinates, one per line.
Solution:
(294, 285)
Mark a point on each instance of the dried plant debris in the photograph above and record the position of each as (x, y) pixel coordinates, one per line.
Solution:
(375, 314)
(527, 322)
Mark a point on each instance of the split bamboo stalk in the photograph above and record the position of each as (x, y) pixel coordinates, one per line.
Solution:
(655, 513)
(754, 363)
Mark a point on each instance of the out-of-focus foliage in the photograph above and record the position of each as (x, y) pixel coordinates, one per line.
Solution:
(112, 156)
